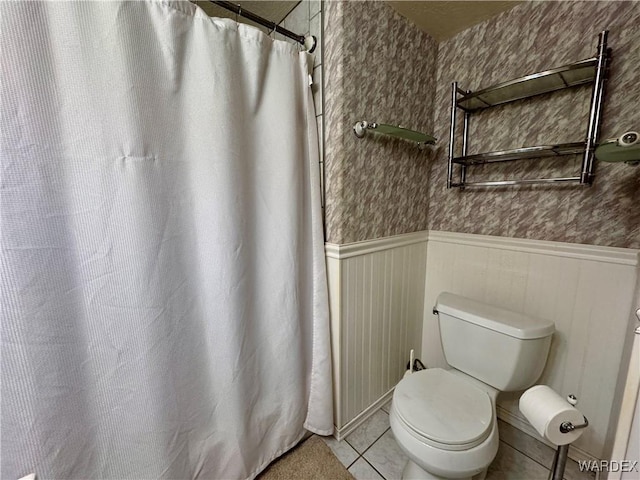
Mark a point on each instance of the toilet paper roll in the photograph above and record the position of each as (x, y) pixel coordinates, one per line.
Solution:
(546, 411)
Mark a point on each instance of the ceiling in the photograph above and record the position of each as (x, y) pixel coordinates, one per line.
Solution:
(441, 20)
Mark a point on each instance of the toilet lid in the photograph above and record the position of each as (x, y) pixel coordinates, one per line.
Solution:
(441, 407)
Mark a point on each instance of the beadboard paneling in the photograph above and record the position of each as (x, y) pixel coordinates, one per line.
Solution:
(376, 291)
(587, 291)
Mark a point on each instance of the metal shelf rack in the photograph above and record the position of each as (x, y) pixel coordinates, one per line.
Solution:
(591, 70)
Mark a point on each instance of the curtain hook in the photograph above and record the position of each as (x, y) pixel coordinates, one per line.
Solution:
(239, 12)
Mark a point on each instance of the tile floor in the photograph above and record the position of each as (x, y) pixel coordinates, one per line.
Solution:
(371, 453)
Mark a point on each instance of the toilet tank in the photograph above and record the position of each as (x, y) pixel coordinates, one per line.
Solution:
(504, 349)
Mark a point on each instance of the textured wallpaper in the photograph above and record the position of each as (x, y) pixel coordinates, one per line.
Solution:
(529, 38)
(377, 67)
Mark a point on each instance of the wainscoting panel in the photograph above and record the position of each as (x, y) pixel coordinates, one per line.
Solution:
(586, 290)
(376, 291)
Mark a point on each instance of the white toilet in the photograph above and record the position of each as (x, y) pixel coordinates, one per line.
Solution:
(445, 420)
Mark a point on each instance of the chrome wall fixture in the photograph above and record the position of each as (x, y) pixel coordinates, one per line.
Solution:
(309, 42)
(421, 139)
(592, 70)
(562, 452)
(625, 148)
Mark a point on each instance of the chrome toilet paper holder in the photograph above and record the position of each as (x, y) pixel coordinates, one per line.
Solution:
(562, 453)
(566, 427)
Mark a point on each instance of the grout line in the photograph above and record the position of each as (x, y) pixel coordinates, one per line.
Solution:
(374, 468)
(374, 442)
(361, 455)
(354, 448)
(357, 458)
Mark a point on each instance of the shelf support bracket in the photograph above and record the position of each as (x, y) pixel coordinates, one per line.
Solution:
(452, 133)
(465, 145)
(595, 112)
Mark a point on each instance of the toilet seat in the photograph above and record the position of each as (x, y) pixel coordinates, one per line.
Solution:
(443, 410)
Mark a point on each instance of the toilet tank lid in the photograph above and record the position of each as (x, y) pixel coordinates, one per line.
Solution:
(488, 316)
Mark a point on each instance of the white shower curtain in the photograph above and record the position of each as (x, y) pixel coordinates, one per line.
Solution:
(163, 292)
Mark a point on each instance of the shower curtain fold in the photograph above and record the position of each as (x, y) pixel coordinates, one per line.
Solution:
(163, 293)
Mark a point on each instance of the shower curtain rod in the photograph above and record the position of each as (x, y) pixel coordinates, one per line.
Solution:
(308, 42)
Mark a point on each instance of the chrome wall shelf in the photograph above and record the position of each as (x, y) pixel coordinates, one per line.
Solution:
(591, 70)
(571, 75)
(419, 138)
(540, 151)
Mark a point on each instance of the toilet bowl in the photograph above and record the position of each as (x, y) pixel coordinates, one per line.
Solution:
(445, 420)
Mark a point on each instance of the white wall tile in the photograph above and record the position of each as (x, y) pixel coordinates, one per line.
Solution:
(316, 89)
(315, 26)
(298, 19)
(314, 7)
(303, 19)
(320, 125)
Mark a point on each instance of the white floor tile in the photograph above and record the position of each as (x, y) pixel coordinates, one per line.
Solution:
(538, 451)
(387, 407)
(363, 471)
(369, 431)
(342, 450)
(526, 444)
(510, 464)
(387, 457)
(383, 459)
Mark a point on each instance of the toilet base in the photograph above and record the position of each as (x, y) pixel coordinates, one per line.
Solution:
(412, 471)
